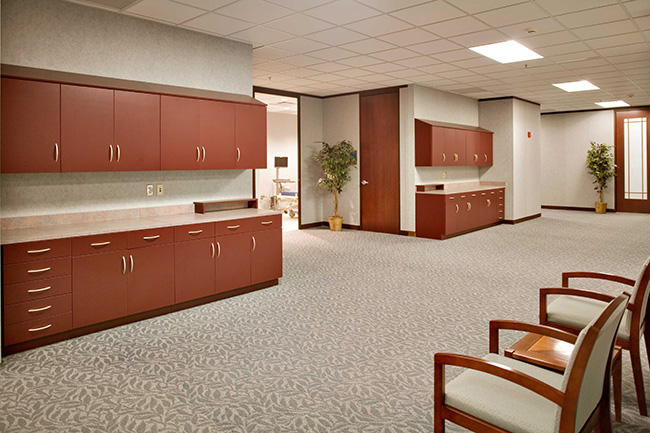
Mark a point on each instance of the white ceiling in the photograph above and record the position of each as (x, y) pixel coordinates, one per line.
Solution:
(278, 104)
(329, 47)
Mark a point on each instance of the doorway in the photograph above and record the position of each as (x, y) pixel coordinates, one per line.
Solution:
(276, 186)
(632, 158)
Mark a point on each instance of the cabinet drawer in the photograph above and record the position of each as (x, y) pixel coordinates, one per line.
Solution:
(145, 238)
(34, 290)
(37, 328)
(193, 231)
(266, 222)
(41, 308)
(30, 271)
(243, 225)
(98, 243)
(40, 250)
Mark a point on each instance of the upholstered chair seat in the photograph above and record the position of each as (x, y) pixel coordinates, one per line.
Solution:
(577, 312)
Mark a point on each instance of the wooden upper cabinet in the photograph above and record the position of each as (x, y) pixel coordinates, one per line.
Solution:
(474, 148)
(217, 135)
(86, 129)
(180, 147)
(441, 145)
(250, 136)
(485, 156)
(30, 126)
(137, 131)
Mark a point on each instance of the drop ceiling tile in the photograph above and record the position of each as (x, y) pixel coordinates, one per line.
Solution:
(326, 78)
(301, 61)
(615, 41)
(164, 10)
(299, 5)
(394, 82)
(112, 5)
(304, 82)
(488, 70)
(375, 78)
(383, 68)
(409, 37)
(270, 53)
(439, 46)
(512, 15)
(635, 65)
(435, 69)
(626, 49)
(428, 13)
(454, 56)
(474, 63)
(479, 38)
(301, 72)
(218, 24)
(299, 45)
(328, 67)
(456, 27)
(342, 12)
(404, 73)
(336, 36)
(421, 78)
(256, 11)
(643, 22)
(417, 62)
(561, 59)
(541, 27)
(368, 46)
(638, 8)
(395, 54)
(349, 82)
(548, 39)
(278, 76)
(558, 7)
(299, 24)
(593, 16)
(332, 53)
(608, 29)
(455, 74)
(208, 5)
(589, 63)
(557, 50)
(379, 25)
(275, 66)
(625, 58)
(353, 73)
(262, 35)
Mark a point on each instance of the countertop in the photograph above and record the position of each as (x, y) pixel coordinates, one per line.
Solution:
(463, 191)
(96, 228)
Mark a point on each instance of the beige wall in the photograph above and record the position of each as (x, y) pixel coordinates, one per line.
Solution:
(527, 155)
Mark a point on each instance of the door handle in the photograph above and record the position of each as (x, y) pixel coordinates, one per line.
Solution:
(110, 153)
(198, 154)
(489, 202)
(56, 152)
(238, 154)
(364, 182)
(203, 154)
(485, 154)
(254, 244)
(118, 152)
(131, 260)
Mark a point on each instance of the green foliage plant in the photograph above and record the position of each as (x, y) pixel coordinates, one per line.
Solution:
(336, 162)
(600, 163)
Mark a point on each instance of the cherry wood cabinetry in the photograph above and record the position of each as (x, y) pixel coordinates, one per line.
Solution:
(233, 261)
(137, 132)
(217, 135)
(455, 145)
(31, 119)
(195, 269)
(250, 136)
(180, 131)
(266, 255)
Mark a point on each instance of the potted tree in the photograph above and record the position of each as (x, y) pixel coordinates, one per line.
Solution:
(600, 163)
(336, 162)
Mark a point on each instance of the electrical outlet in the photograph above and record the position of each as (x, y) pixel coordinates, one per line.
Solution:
(159, 189)
(149, 190)
(444, 175)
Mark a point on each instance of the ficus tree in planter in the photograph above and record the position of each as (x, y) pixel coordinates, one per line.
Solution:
(600, 163)
(336, 162)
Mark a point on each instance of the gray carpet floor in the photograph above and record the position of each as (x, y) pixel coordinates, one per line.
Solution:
(344, 343)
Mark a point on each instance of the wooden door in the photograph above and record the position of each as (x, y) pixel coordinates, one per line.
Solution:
(632, 158)
(180, 147)
(233, 262)
(250, 136)
(217, 135)
(31, 121)
(266, 255)
(195, 273)
(137, 131)
(86, 129)
(150, 278)
(99, 288)
(379, 162)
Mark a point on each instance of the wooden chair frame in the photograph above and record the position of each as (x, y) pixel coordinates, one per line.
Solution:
(568, 400)
(637, 327)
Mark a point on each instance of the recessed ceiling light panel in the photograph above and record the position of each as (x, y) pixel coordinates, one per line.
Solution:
(576, 86)
(506, 52)
(613, 104)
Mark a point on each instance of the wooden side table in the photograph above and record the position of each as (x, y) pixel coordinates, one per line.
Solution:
(555, 354)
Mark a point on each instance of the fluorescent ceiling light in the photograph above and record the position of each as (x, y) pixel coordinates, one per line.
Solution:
(506, 52)
(576, 86)
(613, 104)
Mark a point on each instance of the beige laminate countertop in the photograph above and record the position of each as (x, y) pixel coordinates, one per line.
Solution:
(96, 228)
(463, 191)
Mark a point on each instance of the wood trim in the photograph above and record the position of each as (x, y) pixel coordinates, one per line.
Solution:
(510, 97)
(370, 92)
(31, 344)
(473, 229)
(521, 220)
(315, 225)
(639, 107)
(350, 226)
(588, 209)
(258, 89)
(454, 125)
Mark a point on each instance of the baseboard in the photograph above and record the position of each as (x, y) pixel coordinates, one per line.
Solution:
(588, 209)
(521, 220)
(314, 225)
(350, 226)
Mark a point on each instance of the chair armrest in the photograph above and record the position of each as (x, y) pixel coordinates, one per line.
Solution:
(499, 370)
(596, 276)
(496, 325)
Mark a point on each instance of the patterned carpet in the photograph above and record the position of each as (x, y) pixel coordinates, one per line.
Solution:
(345, 343)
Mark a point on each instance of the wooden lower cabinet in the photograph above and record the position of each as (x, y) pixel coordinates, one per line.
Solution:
(233, 262)
(266, 255)
(195, 269)
(150, 278)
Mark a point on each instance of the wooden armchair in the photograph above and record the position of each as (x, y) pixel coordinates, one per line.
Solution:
(500, 394)
(572, 309)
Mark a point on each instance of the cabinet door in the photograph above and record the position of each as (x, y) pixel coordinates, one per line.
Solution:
(179, 133)
(474, 148)
(31, 122)
(233, 262)
(195, 272)
(99, 288)
(150, 278)
(217, 135)
(250, 136)
(485, 156)
(137, 131)
(468, 212)
(86, 129)
(452, 210)
(439, 151)
(459, 149)
(266, 255)
(486, 206)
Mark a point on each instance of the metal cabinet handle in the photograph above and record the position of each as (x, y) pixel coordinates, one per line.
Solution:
(444, 157)
(213, 249)
(233, 227)
(238, 154)
(254, 244)
(198, 154)
(489, 202)
(123, 265)
(266, 223)
(218, 250)
(100, 244)
(475, 157)
(118, 152)
(38, 271)
(455, 157)
(44, 289)
(203, 153)
(364, 182)
(194, 232)
(131, 261)
(110, 157)
(469, 206)
(44, 250)
(41, 328)
(457, 208)
(37, 310)
(485, 154)
(56, 152)
(150, 238)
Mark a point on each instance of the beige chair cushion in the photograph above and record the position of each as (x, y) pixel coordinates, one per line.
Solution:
(504, 403)
(578, 312)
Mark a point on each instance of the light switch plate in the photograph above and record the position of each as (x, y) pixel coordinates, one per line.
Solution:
(159, 189)
(149, 190)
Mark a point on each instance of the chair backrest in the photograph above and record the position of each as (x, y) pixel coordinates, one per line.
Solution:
(640, 294)
(588, 367)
